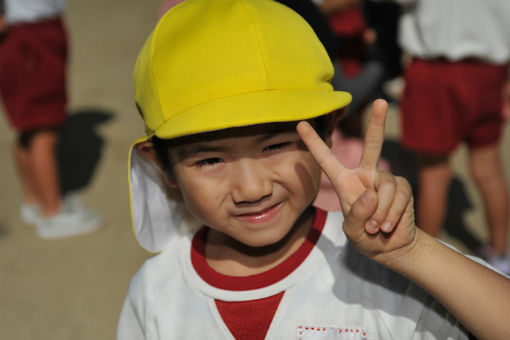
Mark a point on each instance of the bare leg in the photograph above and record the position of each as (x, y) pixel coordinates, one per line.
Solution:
(434, 177)
(486, 168)
(36, 160)
(21, 156)
(44, 171)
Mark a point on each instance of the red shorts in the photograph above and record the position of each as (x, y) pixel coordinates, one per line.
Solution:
(33, 60)
(447, 103)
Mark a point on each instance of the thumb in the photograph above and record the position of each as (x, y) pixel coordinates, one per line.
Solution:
(361, 211)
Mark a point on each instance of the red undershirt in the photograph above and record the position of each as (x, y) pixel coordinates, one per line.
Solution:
(251, 319)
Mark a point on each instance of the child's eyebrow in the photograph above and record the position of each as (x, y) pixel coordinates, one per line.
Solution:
(190, 150)
(270, 134)
(275, 131)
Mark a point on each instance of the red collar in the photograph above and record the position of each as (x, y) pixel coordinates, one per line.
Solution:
(267, 278)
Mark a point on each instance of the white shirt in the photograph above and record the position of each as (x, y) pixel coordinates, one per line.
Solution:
(456, 29)
(335, 288)
(20, 11)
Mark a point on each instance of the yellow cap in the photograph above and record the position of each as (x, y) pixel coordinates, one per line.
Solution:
(216, 64)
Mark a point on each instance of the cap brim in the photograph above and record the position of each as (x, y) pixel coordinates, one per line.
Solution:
(254, 108)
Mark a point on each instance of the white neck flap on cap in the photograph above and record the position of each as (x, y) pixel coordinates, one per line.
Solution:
(158, 213)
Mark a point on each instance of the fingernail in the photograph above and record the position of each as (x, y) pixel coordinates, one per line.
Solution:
(386, 227)
(372, 226)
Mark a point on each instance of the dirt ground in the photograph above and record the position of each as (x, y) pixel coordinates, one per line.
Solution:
(74, 288)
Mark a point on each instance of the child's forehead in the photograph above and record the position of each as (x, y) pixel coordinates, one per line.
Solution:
(239, 138)
(261, 131)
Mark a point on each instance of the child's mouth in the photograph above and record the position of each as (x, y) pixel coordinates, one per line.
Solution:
(261, 216)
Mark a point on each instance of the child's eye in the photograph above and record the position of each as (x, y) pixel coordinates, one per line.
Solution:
(208, 162)
(278, 146)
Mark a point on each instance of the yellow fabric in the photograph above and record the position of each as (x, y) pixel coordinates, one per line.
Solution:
(215, 64)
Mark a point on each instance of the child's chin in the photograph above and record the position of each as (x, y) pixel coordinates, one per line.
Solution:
(262, 242)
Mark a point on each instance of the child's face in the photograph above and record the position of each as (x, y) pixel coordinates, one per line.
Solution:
(250, 183)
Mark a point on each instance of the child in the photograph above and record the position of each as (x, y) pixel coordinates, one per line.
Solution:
(221, 86)
(33, 57)
(454, 95)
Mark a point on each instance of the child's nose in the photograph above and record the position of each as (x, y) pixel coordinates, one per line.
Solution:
(250, 182)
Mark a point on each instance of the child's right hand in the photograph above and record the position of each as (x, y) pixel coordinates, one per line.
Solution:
(378, 207)
(476, 295)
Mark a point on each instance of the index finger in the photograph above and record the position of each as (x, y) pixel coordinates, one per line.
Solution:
(319, 150)
(374, 136)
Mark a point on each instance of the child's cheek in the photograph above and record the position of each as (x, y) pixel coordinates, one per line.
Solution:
(307, 173)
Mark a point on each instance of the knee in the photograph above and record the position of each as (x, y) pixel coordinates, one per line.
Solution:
(485, 171)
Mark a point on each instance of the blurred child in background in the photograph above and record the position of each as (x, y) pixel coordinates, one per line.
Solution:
(33, 60)
(460, 52)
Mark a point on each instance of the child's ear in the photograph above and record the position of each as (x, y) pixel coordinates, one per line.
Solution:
(146, 149)
(170, 180)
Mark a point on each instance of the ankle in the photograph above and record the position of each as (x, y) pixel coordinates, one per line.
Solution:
(51, 210)
(30, 200)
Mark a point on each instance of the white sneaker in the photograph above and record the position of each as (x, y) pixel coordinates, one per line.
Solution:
(29, 213)
(71, 221)
(72, 202)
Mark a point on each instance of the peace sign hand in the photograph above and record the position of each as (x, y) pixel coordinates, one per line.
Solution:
(377, 206)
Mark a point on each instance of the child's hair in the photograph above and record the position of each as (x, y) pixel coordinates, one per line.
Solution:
(161, 149)
(162, 146)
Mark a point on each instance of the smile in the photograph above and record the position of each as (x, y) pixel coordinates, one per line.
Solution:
(263, 215)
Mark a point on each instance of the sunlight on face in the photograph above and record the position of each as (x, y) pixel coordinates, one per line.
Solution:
(250, 183)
